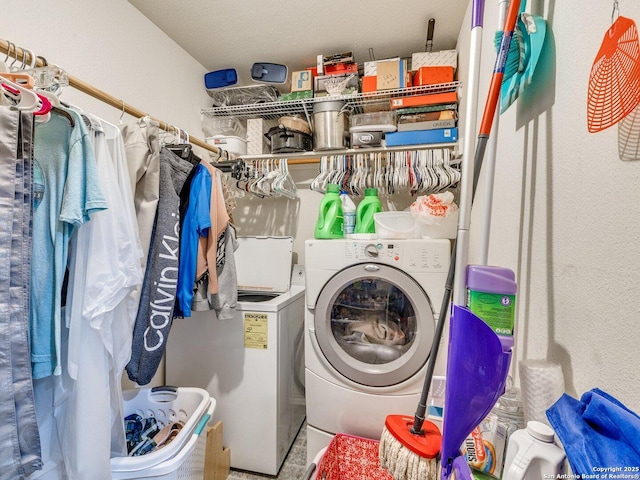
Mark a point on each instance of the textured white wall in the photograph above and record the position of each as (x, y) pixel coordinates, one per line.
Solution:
(565, 211)
(113, 47)
(117, 50)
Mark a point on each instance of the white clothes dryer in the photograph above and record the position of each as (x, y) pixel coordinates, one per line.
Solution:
(253, 364)
(371, 309)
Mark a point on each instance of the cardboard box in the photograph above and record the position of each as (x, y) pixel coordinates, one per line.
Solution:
(428, 116)
(426, 125)
(335, 58)
(391, 75)
(371, 68)
(422, 137)
(340, 68)
(301, 81)
(369, 84)
(427, 108)
(424, 100)
(441, 58)
(296, 95)
(432, 75)
(256, 141)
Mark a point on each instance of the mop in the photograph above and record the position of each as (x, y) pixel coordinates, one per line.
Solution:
(409, 447)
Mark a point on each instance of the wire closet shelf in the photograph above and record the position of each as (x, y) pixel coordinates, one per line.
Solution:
(357, 102)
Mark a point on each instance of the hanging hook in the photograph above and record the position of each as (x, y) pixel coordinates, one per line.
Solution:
(616, 11)
(31, 57)
(10, 45)
(24, 59)
(123, 112)
(15, 57)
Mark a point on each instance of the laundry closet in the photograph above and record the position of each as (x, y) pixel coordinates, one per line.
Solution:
(559, 213)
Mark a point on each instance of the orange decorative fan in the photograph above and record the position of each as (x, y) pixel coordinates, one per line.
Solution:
(614, 82)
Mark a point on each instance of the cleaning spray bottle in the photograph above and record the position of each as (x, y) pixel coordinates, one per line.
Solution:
(330, 219)
(348, 213)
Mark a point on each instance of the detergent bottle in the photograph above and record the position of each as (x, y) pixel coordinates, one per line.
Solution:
(369, 205)
(330, 219)
(349, 213)
(532, 454)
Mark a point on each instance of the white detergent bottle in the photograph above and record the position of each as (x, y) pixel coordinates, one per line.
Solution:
(349, 214)
(532, 455)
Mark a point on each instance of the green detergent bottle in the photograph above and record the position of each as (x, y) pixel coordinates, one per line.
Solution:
(369, 205)
(330, 220)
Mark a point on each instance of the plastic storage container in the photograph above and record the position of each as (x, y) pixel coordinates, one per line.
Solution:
(532, 454)
(373, 122)
(183, 458)
(330, 218)
(368, 206)
(226, 126)
(394, 225)
(232, 144)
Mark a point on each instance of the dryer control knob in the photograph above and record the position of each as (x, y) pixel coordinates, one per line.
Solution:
(371, 250)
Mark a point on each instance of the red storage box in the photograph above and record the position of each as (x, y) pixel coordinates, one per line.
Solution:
(340, 68)
(432, 75)
(349, 457)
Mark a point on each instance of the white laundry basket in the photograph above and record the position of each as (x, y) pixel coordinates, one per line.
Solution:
(183, 458)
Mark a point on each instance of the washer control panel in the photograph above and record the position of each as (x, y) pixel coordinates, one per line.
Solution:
(406, 255)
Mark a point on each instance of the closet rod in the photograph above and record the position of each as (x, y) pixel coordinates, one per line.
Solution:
(19, 54)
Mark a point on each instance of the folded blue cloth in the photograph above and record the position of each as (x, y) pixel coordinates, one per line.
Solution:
(597, 432)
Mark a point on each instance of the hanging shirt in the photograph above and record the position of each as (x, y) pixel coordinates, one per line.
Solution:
(112, 250)
(211, 247)
(66, 192)
(104, 270)
(158, 297)
(196, 224)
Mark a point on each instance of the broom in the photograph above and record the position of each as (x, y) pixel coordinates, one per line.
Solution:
(409, 446)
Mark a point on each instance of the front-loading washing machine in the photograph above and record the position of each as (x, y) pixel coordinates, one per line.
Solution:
(252, 364)
(371, 309)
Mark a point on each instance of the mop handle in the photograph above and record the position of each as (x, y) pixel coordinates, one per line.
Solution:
(487, 121)
(498, 70)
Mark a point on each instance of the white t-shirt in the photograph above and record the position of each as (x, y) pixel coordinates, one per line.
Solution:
(104, 270)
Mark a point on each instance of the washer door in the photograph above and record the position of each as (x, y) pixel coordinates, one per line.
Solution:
(374, 324)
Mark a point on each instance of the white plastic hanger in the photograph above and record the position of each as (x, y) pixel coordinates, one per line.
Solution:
(3, 64)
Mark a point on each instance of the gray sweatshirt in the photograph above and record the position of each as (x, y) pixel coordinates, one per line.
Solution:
(157, 299)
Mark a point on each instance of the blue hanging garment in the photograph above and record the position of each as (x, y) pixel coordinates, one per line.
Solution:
(598, 432)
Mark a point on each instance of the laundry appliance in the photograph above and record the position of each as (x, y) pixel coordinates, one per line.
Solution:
(252, 364)
(371, 309)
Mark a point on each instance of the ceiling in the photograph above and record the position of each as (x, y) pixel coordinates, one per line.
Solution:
(236, 33)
